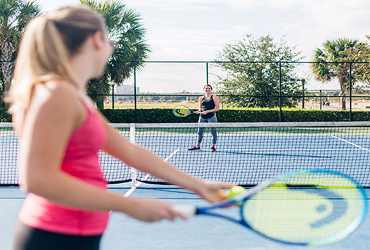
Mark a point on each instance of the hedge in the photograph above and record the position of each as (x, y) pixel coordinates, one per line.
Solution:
(5, 116)
(235, 115)
(225, 115)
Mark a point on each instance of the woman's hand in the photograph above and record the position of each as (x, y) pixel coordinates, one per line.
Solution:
(212, 191)
(152, 210)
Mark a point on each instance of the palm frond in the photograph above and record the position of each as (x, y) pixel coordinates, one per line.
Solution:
(125, 28)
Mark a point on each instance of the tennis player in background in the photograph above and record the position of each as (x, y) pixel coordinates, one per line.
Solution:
(67, 206)
(209, 104)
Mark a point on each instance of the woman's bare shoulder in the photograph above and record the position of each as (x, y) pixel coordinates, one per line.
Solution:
(55, 98)
(51, 102)
(54, 92)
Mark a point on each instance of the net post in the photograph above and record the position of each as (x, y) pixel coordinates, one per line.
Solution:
(132, 140)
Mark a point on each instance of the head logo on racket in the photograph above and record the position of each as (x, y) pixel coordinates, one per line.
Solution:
(182, 111)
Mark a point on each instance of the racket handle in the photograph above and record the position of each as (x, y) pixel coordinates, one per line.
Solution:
(186, 209)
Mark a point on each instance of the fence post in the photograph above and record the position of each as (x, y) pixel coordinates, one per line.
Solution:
(113, 96)
(303, 81)
(350, 91)
(207, 72)
(135, 117)
(280, 112)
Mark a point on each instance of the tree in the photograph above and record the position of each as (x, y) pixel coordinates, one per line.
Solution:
(130, 50)
(14, 15)
(332, 61)
(360, 55)
(253, 70)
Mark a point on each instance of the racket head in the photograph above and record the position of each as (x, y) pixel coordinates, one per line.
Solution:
(308, 207)
(181, 111)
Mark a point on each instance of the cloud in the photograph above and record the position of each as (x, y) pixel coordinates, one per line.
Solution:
(341, 18)
(197, 4)
(241, 4)
(174, 5)
(204, 42)
(193, 30)
(51, 5)
(337, 19)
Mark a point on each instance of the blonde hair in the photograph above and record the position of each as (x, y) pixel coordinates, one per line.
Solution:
(48, 43)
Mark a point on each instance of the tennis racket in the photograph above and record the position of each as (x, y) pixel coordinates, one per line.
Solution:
(307, 207)
(182, 111)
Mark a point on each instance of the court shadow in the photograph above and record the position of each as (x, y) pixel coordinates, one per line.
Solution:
(266, 154)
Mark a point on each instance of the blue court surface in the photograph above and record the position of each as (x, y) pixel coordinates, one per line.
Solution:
(243, 159)
(201, 232)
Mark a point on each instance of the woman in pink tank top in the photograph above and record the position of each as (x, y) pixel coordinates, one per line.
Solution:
(60, 133)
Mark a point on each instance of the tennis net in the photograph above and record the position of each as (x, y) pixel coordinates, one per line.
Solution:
(247, 153)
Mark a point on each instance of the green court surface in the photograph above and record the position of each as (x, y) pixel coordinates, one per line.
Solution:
(201, 232)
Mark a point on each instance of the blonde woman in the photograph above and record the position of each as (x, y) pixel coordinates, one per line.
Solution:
(60, 133)
(209, 104)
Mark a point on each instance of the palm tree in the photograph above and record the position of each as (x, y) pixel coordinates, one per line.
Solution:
(14, 15)
(332, 62)
(130, 49)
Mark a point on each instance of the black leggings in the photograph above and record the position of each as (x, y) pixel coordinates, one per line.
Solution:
(29, 238)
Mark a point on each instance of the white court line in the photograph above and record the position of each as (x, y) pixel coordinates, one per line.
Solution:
(351, 143)
(132, 189)
(146, 176)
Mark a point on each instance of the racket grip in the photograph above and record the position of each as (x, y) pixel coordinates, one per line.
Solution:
(186, 209)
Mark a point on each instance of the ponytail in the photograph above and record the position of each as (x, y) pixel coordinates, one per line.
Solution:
(48, 44)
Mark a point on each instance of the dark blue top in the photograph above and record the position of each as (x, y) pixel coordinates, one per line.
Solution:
(208, 104)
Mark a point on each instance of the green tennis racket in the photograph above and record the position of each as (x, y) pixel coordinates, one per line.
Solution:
(309, 207)
(182, 111)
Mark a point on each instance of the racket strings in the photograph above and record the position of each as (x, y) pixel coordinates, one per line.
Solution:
(181, 111)
(306, 215)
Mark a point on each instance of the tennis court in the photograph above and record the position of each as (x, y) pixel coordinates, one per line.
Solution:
(245, 155)
(202, 232)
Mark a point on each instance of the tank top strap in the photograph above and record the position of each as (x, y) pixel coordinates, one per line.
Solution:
(86, 103)
(204, 98)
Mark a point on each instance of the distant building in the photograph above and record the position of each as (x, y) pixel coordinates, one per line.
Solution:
(125, 89)
(323, 92)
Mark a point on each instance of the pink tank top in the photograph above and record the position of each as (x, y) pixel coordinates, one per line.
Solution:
(81, 160)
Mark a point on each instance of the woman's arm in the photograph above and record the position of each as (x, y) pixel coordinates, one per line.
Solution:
(146, 161)
(200, 105)
(46, 130)
(217, 103)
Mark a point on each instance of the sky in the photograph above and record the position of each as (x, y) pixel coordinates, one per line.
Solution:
(197, 30)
